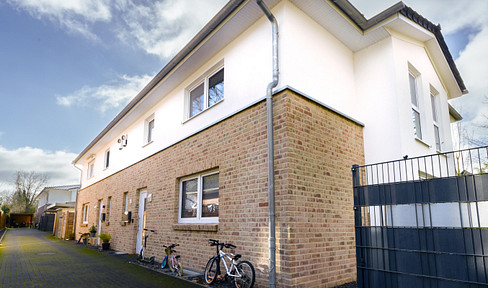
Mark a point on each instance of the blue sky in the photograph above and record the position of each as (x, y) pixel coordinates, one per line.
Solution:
(68, 67)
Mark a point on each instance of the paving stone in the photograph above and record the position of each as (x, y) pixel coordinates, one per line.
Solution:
(31, 258)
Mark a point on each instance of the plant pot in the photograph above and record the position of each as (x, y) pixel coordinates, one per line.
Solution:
(92, 234)
(105, 246)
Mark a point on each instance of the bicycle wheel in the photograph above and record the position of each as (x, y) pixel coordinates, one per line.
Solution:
(212, 270)
(179, 269)
(165, 262)
(247, 278)
(172, 263)
(140, 256)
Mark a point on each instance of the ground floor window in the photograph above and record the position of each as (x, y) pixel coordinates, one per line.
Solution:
(85, 213)
(199, 198)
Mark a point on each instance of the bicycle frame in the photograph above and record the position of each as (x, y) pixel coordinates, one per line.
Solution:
(233, 263)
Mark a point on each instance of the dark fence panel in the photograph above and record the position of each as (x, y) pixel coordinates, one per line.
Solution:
(423, 222)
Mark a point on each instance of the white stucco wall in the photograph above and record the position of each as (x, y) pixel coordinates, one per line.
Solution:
(370, 85)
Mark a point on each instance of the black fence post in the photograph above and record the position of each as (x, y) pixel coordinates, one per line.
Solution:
(357, 223)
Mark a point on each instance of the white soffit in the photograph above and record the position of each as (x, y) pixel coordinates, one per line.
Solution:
(339, 24)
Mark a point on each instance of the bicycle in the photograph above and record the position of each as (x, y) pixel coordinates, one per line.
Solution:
(172, 260)
(242, 272)
(141, 256)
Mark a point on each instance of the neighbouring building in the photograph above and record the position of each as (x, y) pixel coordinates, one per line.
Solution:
(187, 156)
(56, 210)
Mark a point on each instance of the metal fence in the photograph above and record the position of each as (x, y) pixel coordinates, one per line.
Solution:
(422, 221)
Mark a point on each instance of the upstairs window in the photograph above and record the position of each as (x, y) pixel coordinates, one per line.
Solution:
(206, 93)
(91, 167)
(107, 159)
(149, 129)
(435, 118)
(414, 93)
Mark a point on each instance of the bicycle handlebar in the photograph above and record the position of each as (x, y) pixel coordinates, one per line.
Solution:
(213, 242)
(171, 246)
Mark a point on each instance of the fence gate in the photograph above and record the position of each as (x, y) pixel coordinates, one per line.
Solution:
(422, 222)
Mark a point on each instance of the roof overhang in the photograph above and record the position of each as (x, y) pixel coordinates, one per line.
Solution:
(454, 113)
(61, 205)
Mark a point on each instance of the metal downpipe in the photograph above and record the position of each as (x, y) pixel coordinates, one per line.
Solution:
(270, 142)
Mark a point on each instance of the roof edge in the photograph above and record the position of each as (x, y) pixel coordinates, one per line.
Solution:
(223, 14)
(364, 24)
(454, 113)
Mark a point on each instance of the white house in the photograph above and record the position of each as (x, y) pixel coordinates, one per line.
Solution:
(53, 199)
(350, 90)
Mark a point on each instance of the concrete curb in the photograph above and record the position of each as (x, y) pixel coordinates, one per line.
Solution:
(2, 233)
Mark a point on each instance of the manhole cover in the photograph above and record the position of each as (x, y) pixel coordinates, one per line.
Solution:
(46, 253)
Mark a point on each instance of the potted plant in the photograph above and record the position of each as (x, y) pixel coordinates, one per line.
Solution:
(92, 230)
(105, 237)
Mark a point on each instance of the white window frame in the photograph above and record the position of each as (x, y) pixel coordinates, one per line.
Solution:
(126, 202)
(204, 79)
(90, 169)
(85, 209)
(416, 110)
(148, 132)
(434, 100)
(199, 218)
(106, 161)
(109, 210)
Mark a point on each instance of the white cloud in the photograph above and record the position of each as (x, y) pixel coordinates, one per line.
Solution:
(57, 165)
(107, 96)
(76, 16)
(163, 28)
(158, 28)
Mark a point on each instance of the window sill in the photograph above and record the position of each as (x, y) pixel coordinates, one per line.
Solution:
(196, 115)
(84, 225)
(210, 227)
(148, 143)
(422, 142)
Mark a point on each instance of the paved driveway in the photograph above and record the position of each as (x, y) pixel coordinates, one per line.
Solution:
(30, 258)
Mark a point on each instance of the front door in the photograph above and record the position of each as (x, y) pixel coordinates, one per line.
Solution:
(99, 228)
(141, 220)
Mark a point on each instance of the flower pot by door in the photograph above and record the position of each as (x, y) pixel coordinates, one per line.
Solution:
(106, 246)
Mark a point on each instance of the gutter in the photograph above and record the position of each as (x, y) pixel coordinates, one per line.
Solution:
(270, 142)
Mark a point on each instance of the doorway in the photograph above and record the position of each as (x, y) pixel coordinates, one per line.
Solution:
(141, 220)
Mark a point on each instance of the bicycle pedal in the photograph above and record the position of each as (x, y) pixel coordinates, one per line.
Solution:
(220, 278)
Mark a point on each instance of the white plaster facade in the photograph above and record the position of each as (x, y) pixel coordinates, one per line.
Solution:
(323, 55)
(61, 194)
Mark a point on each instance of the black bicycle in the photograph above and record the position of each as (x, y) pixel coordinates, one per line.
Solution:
(241, 272)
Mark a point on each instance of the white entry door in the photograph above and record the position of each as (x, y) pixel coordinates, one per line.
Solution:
(99, 228)
(141, 220)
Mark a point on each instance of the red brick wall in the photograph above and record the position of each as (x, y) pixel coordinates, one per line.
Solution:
(314, 151)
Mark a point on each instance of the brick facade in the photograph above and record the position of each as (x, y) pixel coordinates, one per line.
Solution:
(314, 151)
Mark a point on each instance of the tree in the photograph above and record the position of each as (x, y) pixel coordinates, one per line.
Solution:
(5, 208)
(478, 136)
(27, 186)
